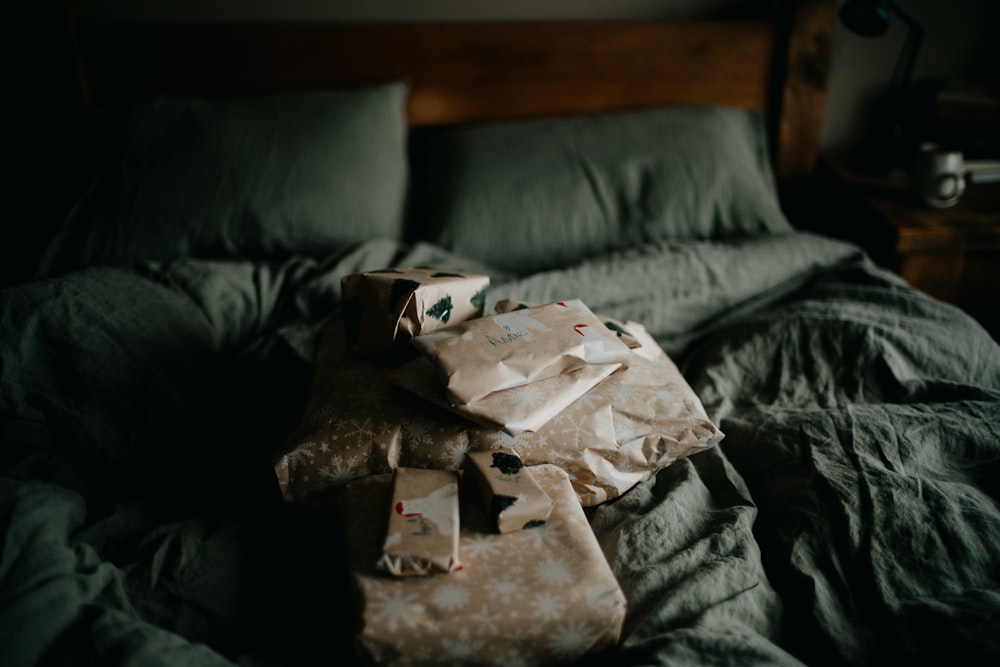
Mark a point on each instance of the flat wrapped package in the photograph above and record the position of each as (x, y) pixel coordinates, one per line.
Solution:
(515, 370)
(384, 309)
(358, 422)
(544, 596)
(516, 410)
(487, 354)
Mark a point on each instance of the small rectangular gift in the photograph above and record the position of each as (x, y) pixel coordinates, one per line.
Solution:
(384, 309)
(511, 497)
(488, 354)
(422, 535)
(544, 596)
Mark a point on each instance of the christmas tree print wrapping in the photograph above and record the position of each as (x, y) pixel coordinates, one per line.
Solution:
(357, 422)
(384, 309)
(541, 596)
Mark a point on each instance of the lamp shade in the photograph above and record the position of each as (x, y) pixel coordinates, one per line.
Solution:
(869, 18)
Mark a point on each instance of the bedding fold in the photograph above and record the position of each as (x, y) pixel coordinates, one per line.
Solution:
(879, 526)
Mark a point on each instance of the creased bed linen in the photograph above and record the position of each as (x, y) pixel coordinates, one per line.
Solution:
(849, 517)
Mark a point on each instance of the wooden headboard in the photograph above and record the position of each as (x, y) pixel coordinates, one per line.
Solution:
(474, 72)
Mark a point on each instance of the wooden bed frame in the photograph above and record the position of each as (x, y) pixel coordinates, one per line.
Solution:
(474, 72)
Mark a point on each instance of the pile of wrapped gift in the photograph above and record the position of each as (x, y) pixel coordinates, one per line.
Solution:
(462, 448)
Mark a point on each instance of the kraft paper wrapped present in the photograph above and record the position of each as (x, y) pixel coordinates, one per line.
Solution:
(522, 408)
(619, 328)
(480, 356)
(639, 420)
(422, 535)
(357, 423)
(515, 410)
(544, 596)
(511, 497)
(384, 309)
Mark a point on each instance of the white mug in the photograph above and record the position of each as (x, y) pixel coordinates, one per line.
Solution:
(937, 176)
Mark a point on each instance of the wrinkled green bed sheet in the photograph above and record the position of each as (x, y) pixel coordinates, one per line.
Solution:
(850, 516)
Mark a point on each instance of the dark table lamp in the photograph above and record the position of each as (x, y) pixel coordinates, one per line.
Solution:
(871, 18)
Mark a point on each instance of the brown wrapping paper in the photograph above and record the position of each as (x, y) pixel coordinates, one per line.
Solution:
(511, 497)
(384, 309)
(544, 596)
(515, 410)
(480, 356)
(619, 328)
(422, 533)
(357, 423)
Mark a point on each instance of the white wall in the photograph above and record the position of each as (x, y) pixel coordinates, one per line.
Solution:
(962, 40)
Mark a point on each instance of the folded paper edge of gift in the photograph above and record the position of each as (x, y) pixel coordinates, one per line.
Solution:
(497, 352)
(419, 378)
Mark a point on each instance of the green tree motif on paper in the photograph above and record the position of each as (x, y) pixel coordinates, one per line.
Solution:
(620, 331)
(498, 504)
(479, 299)
(442, 309)
(507, 464)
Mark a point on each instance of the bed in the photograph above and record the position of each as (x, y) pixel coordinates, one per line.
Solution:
(177, 338)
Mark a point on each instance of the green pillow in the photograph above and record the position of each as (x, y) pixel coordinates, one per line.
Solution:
(257, 177)
(533, 195)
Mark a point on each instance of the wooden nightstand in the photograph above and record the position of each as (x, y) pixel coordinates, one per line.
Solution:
(952, 254)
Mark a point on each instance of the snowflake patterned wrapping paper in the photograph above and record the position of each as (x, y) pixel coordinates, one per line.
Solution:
(384, 309)
(542, 596)
(357, 422)
(480, 356)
